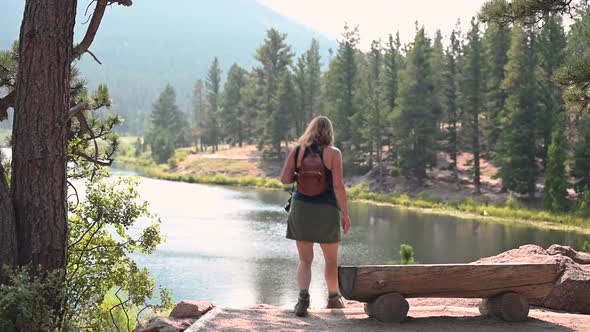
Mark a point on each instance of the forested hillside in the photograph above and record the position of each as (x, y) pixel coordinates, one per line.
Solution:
(161, 42)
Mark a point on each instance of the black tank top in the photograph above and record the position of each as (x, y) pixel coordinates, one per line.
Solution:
(328, 196)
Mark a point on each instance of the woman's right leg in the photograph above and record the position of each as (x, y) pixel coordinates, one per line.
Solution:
(305, 250)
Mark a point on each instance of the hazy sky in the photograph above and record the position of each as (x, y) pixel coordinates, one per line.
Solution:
(378, 18)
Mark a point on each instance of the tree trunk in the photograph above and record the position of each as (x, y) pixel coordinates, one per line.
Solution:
(39, 153)
(8, 248)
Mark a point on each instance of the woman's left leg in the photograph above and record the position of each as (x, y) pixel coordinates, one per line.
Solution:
(330, 251)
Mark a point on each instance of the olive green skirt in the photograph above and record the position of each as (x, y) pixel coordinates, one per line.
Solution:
(313, 222)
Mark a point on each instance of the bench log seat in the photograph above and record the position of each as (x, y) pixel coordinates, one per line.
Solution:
(505, 288)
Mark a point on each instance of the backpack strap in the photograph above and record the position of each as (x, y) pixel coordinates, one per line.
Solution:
(297, 157)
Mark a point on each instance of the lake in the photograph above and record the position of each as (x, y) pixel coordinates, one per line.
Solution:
(228, 245)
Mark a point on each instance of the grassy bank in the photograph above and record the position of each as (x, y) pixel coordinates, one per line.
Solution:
(512, 211)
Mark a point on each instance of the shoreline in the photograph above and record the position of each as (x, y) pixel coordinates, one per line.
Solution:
(467, 210)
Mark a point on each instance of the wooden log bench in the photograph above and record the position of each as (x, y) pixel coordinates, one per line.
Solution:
(504, 288)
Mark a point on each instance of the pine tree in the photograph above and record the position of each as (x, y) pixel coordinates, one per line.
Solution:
(472, 97)
(166, 114)
(555, 174)
(416, 116)
(314, 72)
(451, 98)
(391, 68)
(199, 106)
(343, 85)
(275, 57)
(437, 64)
(280, 121)
(375, 103)
(168, 123)
(550, 47)
(232, 113)
(581, 155)
(303, 91)
(516, 150)
(212, 117)
(496, 43)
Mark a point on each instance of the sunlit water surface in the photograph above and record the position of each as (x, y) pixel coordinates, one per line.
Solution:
(228, 245)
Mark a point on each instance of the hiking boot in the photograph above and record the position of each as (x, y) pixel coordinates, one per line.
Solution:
(336, 302)
(302, 306)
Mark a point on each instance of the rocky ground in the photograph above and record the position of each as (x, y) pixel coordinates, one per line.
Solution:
(567, 308)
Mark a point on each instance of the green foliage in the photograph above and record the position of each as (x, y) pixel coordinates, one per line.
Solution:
(586, 246)
(416, 116)
(100, 263)
(232, 112)
(583, 205)
(555, 175)
(472, 90)
(211, 121)
(274, 57)
(161, 142)
(342, 87)
(581, 156)
(516, 152)
(513, 202)
(450, 99)
(22, 304)
(406, 253)
(496, 43)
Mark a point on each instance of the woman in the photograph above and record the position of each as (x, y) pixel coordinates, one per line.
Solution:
(317, 218)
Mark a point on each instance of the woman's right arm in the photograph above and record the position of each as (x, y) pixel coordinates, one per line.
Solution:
(340, 188)
(287, 175)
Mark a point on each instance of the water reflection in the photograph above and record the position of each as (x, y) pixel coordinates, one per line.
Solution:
(229, 246)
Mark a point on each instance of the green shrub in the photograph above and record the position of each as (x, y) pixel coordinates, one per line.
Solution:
(407, 254)
(513, 202)
(22, 305)
(583, 205)
(359, 189)
(586, 246)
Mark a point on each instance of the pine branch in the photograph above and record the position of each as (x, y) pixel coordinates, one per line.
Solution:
(7, 102)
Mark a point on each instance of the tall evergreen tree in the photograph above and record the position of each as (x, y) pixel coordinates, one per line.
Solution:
(314, 72)
(232, 113)
(375, 103)
(391, 68)
(280, 120)
(302, 105)
(581, 155)
(343, 85)
(496, 43)
(168, 123)
(472, 97)
(166, 114)
(416, 116)
(450, 103)
(551, 49)
(275, 57)
(555, 174)
(516, 150)
(199, 104)
(212, 118)
(437, 65)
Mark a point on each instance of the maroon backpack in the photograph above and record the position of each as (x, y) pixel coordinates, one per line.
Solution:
(311, 175)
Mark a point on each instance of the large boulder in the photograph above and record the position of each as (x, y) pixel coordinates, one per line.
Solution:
(191, 309)
(166, 324)
(571, 291)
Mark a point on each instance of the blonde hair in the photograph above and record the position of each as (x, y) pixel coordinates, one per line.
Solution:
(319, 131)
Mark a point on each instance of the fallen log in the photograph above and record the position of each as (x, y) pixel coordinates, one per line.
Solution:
(366, 283)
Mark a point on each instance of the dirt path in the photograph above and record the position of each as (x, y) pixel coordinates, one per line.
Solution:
(427, 318)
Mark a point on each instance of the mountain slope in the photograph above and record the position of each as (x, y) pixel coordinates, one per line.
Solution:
(157, 42)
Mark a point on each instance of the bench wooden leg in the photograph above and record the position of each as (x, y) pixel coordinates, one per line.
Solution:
(389, 308)
(511, 307)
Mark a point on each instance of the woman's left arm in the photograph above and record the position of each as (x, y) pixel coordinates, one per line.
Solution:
(288, 173)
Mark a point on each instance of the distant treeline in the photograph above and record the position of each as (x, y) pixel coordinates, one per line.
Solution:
(489, 92)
